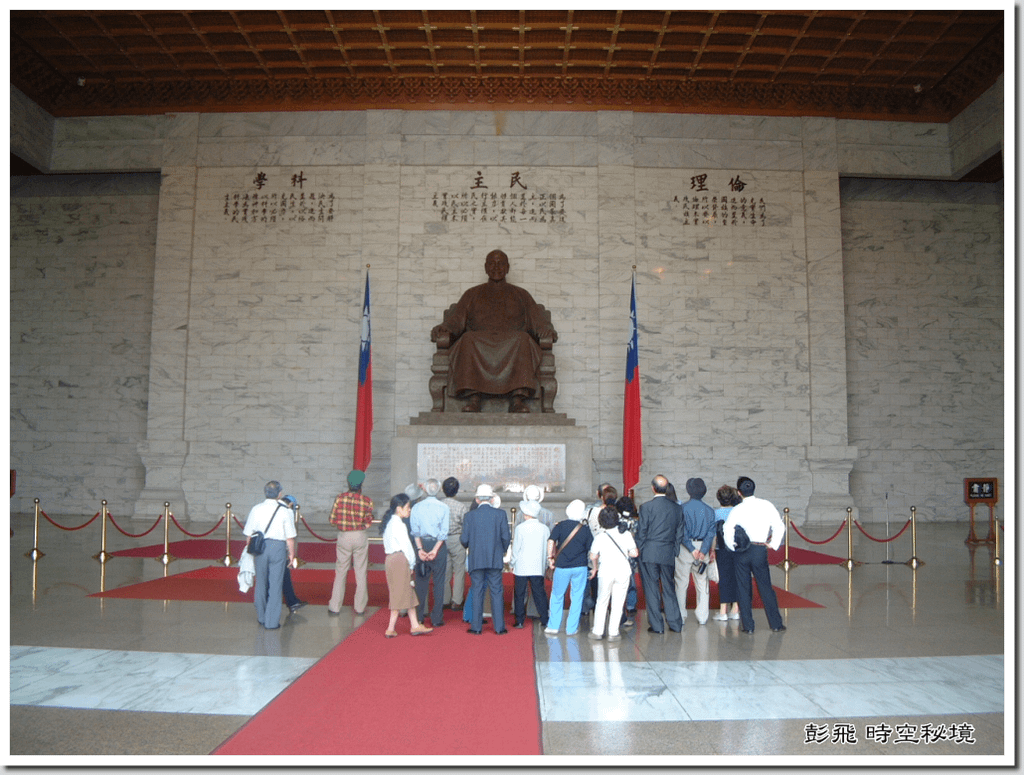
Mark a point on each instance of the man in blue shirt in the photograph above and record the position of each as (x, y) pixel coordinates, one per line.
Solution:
(428, 527)
(694, 536)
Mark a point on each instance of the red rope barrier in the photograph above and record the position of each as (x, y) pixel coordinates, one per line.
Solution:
(134, 535)
(819, 543)
(326, 540)
(242, 526)
(195, 535)
(69, 529)
(881, 540)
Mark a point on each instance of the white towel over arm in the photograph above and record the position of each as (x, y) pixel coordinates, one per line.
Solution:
(246, 571)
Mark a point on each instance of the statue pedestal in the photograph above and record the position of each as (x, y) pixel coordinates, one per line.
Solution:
(501, 449)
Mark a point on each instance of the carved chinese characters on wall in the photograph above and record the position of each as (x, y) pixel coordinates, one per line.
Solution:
(280, 198)
(710, 200)
(497, 198)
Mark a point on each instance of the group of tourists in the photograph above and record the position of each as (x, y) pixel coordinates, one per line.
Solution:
(594, 555)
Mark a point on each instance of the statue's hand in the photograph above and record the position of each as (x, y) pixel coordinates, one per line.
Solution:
(547, 332)
(441, 334)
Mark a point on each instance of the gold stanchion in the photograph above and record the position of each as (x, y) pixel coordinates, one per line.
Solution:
(297, 562)
(850, 564)
(913, 562)
(102, 557)
(786, 564)
(35, 554)
(166, 557)
(997, 560)
(226, 560)
(507, 565)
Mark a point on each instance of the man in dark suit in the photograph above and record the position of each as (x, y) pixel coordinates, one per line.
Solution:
(486, 535)
(656, 530)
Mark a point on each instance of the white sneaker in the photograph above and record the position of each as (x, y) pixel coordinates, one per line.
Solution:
(734, 616)
(549, 631)
(594, 636)
(720, 617)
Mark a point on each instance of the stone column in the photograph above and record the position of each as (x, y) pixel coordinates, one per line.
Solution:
(380, 249)
(165, 448)
(830, 458)
(617, 227)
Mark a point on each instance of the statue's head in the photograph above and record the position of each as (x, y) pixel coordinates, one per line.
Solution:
(496, 265)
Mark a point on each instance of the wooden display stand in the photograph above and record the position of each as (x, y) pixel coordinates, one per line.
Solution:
(982, 491)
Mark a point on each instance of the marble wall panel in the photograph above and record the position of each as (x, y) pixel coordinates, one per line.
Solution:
(31, 131)
(924, 304)
(80, 341)
(977, 133)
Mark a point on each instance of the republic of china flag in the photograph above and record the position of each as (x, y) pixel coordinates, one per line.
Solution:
(364, 400)
(632, 444)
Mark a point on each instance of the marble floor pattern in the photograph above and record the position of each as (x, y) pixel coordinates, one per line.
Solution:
(918, 653)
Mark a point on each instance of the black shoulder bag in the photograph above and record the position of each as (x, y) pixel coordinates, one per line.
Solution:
(258, 541)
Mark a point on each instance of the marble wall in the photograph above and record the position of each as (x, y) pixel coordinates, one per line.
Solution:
(924, 321)
(256, 306)
(81, 298)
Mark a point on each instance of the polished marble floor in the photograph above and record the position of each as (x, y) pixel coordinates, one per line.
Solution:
(898, 662)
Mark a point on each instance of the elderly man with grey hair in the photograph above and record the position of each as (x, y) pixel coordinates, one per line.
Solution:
(428, 526)
(273, 519)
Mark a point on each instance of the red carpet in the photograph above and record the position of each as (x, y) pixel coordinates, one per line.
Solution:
(803, 557)
(323, 552)
(213, 549)
(443, 694)
(221, 584)
(314, 586)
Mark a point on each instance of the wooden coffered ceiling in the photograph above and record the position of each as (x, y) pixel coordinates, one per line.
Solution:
(879, 64)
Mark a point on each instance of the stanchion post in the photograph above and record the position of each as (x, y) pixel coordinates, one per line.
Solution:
(166, 558)
(298, 562)
(226, 559)
(102, 557)
(506, 566)
(849, 539)
(35, 554)
(997, 560)
(913, 562)
(786, 563)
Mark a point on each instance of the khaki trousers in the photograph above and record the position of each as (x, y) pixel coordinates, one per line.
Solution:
(353, 551)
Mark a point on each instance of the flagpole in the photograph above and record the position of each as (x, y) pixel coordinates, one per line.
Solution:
(361, 452)
(632, 442)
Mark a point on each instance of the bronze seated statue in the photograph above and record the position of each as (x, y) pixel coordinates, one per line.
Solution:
(495, 342)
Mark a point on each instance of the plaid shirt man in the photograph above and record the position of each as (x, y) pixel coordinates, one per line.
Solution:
(352, 511)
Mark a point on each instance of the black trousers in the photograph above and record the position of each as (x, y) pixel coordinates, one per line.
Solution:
(436, 571)
(540, 598)
(290, 598)
(487, 580)
(651, 573)
(754, 563)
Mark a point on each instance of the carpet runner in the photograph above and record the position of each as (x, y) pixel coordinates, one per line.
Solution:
(443, 694)
(213, 549)
(324, 552)
(314, 586)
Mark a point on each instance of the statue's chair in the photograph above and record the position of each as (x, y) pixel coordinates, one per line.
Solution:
(439, 374)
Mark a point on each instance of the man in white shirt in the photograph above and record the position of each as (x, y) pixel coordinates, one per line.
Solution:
(761, 523)
(274, 520)
(529, 558)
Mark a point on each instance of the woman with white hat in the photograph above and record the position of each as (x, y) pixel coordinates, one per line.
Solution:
(568, 550)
